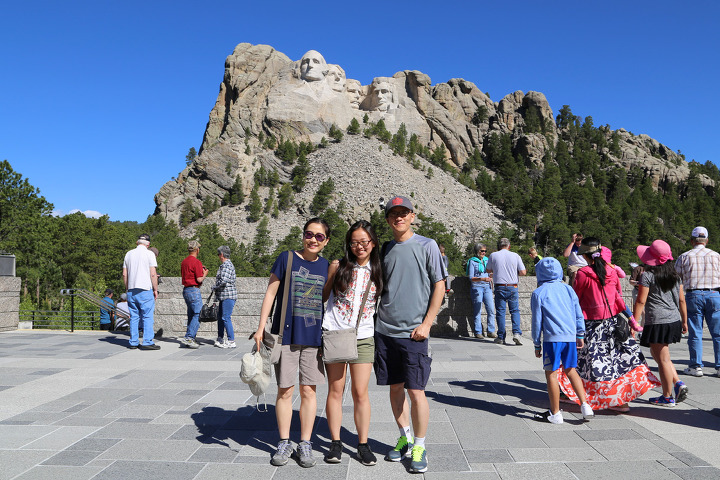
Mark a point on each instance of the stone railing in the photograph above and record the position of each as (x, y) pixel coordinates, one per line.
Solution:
(9, 303)
(454, 318)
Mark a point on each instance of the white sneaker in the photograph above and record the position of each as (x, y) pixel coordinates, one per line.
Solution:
(516, 339)
(549, 417)
(220, 343)
(230, 344)
(717, 372)
(587, 411)
(694, 371)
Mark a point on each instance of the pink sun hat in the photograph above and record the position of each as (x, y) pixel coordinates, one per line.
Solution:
(656, 254)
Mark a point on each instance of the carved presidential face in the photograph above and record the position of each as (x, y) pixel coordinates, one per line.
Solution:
(382, 93)
(336, 78)
(354, 92)
(312, 66)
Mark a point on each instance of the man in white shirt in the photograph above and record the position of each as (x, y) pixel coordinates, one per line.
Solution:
(140, 277)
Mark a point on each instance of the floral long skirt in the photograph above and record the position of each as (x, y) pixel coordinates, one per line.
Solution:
(612, 373)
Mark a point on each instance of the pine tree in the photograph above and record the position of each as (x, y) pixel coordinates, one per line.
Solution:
(354, 127)
(322, 198)
(285, 196)
(255, 206)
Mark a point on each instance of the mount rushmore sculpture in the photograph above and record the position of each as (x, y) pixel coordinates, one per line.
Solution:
(265, 91)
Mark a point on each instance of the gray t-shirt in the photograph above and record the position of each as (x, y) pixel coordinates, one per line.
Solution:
(660, 307)
(505, 266)
(410, 269)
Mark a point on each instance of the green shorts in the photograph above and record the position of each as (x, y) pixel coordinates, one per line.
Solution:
(366, 351)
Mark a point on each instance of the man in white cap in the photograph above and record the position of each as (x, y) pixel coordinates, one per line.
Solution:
(699, 269)
(140, 277)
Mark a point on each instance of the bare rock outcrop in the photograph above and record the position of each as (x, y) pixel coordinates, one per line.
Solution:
(264, 94)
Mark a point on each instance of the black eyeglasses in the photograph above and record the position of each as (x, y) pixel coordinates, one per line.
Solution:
(482, 251)
(320, 237)
(364, 243)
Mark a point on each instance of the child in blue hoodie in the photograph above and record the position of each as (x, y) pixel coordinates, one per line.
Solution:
(557, 317)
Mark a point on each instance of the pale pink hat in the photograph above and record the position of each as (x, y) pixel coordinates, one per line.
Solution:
(656, 254)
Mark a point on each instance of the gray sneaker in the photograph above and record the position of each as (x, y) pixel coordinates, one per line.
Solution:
(401, 450)
(418, 462)
(304, 454)
(282, 454)
(189, 343)
(516, 339)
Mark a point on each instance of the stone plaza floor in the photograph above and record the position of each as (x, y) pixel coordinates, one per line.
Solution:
(82, 406)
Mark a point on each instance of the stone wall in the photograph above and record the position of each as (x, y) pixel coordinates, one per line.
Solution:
(454, 318)
(9, 303)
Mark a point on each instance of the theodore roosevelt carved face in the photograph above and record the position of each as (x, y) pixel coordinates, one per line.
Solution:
(354, 92)
(313, 66)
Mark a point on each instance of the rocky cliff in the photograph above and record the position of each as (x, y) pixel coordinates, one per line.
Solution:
(266, 94)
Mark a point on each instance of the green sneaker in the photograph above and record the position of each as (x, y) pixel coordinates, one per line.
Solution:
(418, 464)
(402, 449)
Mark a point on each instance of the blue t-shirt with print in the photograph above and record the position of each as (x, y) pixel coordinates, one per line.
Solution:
(303, 320)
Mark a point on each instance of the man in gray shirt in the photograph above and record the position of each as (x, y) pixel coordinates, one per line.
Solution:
(414, 275)
(505, 267)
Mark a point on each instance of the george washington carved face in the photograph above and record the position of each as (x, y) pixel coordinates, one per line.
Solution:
(313, 66)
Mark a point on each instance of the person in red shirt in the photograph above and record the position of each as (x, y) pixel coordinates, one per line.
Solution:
(193, 273)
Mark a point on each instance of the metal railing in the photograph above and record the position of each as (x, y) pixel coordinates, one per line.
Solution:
(61, 319)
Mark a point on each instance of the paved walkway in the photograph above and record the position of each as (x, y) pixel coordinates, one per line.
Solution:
(81, 406)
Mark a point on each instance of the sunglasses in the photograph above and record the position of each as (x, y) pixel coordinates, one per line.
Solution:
(320, 237)
(482, 251)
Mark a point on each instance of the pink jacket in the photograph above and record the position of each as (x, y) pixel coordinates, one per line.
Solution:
(592, 300)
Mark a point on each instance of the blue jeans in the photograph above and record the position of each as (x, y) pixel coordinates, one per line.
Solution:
(510, 296)
(225, 320)
(480, 294)
(193, 300)
(141, 304)
(703, 304)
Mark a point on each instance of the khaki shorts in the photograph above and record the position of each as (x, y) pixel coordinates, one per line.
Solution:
(305, 359)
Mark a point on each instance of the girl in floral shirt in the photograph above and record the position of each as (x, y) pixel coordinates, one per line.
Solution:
(346, 285)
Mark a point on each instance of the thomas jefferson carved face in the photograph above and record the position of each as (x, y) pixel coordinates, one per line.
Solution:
(312, 66)
(382, 94)
(336, 78)
(354, 92)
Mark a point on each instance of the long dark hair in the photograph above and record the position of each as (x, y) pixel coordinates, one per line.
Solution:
(665, 275)
(595, 262)
(343, 276)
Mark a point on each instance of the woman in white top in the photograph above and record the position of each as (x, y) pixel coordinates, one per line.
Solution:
(346, 285)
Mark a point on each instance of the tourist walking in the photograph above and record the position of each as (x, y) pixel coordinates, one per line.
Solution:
(193, 273)
(660, 295)
(226, 294)
(301, 336)
(348, 280)
(613, 372)
(558, 320)
(699, 269)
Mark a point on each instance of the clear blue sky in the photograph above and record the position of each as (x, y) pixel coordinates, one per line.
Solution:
(101, 100)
